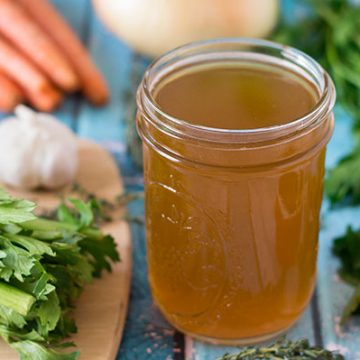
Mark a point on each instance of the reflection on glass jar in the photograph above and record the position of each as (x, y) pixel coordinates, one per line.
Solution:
(234, 134)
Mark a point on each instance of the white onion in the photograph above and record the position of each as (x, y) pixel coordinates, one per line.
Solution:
(153, 27)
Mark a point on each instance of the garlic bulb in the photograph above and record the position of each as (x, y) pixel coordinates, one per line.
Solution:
(36, 151)
(156, 26)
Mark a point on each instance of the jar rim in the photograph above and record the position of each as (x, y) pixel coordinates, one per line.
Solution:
(321, 109)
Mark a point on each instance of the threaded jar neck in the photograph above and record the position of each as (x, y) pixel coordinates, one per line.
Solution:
(246, 51)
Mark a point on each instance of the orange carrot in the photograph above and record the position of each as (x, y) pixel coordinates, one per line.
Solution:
(27, 35)
(10, 94)
(34, 84)
(92, 81)
(45, 101)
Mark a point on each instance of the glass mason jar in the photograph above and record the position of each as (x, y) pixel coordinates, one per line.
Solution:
(232, 215)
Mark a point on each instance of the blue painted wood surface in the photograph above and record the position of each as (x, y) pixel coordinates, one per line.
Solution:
(147, 335)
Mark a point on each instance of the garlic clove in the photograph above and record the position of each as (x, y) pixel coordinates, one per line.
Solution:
(55, 168)
(15, 157)
(36, 151)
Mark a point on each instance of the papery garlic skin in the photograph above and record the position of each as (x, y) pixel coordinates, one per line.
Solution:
(153, 27)
(36, 151)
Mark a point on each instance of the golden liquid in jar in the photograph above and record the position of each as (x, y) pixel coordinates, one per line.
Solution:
(236, 98)
(232, 252)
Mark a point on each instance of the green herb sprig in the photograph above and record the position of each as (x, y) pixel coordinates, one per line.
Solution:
(284, 349)
(331, 34)
(104, 210)
(44, 266)
(347, 249)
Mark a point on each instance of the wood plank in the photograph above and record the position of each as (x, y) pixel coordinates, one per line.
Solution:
(305, 327)
(78, 15)
(113, 58)
(106, 124)
(132, 174)
(332, 292)
(101, 310)
(81, 17)
(147, 335)
(198, 350)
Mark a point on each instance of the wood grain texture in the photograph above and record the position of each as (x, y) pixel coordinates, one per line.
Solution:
(198, 350)
(101, 310)
(113, 58)
(76, 14)
(147, 336)
(333, 293)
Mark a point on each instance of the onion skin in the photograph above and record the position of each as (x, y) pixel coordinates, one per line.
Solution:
(153, 27)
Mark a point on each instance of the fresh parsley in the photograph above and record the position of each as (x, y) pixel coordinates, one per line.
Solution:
(329, 31)
(44, 266)
(343, 183)
(347, 249)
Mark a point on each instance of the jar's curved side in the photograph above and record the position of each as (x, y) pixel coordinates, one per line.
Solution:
(223, 246)
(232, 226)
(251, 157)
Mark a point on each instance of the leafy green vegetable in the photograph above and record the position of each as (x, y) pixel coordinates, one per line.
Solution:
(284, 349)
(16, 300)
(347, 249)
(44, 266)
(13, 210)
(343, 182)
(330, 32)
(99, 210)
(31, 350)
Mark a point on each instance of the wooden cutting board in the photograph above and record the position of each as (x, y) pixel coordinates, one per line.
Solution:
(101, 311)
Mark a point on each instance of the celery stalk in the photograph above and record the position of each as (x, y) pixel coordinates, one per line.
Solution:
(15, 299)
(50, 225)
